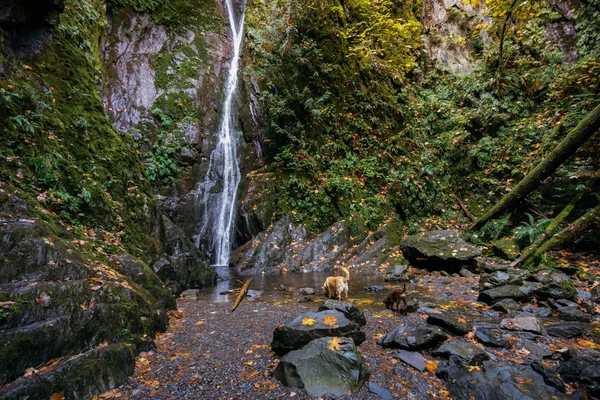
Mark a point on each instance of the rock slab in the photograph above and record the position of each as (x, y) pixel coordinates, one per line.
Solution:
(306, 327)
(440, 250)
(322, 371)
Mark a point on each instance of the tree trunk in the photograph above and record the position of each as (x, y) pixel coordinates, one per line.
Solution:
(568, 233)
(527, 254)
(502, 34)
(579, 135)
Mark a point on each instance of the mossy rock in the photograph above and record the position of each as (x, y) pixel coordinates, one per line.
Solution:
(506, 249)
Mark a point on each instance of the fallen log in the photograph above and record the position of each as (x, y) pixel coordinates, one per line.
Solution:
(241, 295)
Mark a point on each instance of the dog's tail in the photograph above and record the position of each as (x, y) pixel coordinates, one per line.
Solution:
(346, 273)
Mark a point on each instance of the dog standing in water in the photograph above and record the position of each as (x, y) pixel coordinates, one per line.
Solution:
(396, 297)
(335, 286)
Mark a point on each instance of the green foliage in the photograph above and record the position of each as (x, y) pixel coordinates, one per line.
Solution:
(528, 231)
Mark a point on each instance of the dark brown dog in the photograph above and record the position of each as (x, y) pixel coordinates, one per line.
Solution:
(394, 298)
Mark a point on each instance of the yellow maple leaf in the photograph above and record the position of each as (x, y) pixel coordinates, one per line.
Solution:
(431, 365)
(308, 321)
(472, 368)
(330, 320)
(334, 344)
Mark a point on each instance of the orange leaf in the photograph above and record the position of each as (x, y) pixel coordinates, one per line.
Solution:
(330, 320)
(431, 366)
(308, 321)
(58, 396)
(334, 344)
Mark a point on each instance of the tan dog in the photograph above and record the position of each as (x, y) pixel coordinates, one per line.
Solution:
(335, 286)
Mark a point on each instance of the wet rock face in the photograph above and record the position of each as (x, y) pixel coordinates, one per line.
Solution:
(439, 250)
(180, 265)
(258, 206)
(128, 53)
(27, 24)
(60, 302)
(30, 12)
(296, 333)
(322, 371)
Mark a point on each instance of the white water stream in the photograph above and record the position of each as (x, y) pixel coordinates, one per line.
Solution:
(223, 168)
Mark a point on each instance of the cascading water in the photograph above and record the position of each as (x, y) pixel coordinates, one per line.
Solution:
(223, 169)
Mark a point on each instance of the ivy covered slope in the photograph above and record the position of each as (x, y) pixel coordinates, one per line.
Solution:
(79, 227)
(379, 109)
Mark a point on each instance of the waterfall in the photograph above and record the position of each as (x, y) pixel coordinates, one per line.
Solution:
(223, 168)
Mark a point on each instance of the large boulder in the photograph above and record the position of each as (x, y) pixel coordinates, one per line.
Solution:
(306, 327)
(410, 338)
(496, 381)
(440, 250)
(328, 366)
(351, 312)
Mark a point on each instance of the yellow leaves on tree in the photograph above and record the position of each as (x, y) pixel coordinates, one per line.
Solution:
(330, 320)
(308, 321)
(334, 344)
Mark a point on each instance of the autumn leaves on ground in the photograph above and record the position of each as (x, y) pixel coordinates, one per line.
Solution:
(211, 353)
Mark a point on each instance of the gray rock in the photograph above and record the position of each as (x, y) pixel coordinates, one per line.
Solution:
(492, 337)
(468, 353)
(409, 338)
(443, 250)
(466, 273)
(322, 371)
(537, 351)
(573, 314)
(539, 311)
(499, 278)
(526, 324)
(582, 370)
(518, 293)
(374, 288)
(398, 273)
(496, 381)
(306, 291)
(564, 330)
(506, 305)
(411, 358)
(451, 322)
(550, 377)
(584, 295)
(352, 312)
(292, 335)
(562, 290)
(382, 393)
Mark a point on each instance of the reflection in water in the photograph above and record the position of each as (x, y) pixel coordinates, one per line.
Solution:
(270, 287)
